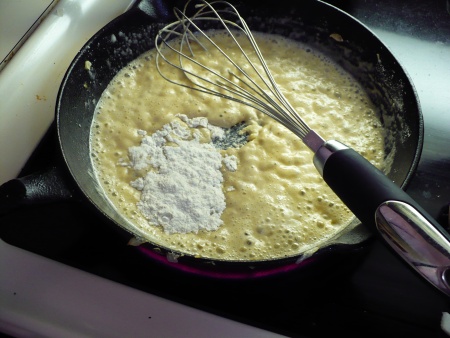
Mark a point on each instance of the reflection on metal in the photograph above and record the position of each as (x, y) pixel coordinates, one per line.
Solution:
(424, 247)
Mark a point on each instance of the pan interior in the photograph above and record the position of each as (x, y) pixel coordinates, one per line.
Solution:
(103, 57)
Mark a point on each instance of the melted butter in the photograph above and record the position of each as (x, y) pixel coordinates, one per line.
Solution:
(277, 204)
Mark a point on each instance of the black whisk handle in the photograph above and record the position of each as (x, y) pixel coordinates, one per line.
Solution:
(360, 185)
(382, 205)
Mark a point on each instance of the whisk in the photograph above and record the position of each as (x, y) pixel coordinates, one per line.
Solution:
(369, 194)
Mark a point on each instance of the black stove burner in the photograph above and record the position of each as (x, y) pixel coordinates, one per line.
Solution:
(366, 293)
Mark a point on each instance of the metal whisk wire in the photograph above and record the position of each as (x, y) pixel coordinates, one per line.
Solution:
(266, 98)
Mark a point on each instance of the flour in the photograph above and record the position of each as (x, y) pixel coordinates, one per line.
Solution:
(182, 190)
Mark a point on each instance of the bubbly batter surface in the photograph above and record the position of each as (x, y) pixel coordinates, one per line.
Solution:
(277, 204)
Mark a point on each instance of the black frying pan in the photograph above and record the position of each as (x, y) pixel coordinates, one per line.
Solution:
(309, 21)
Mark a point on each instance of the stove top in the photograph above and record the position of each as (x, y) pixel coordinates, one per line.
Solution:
(102, 282)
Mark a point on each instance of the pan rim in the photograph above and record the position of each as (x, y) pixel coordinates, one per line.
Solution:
(409, 175)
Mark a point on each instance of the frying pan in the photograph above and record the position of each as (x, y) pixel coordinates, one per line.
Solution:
(312, 22)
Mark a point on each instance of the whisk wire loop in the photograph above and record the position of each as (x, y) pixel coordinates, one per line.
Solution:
(266, 98)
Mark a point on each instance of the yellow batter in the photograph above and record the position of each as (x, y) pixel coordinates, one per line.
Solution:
(277, 204)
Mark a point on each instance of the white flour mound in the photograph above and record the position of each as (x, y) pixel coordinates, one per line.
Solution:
(182, 191)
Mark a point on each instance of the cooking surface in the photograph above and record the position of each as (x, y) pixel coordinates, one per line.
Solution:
(368, 292)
